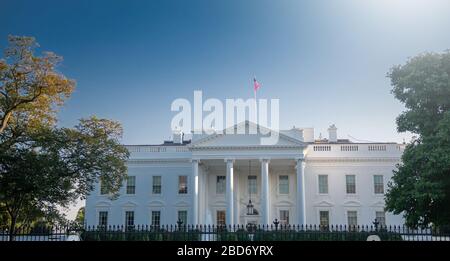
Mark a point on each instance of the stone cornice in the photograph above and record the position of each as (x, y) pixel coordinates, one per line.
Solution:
(147, 161)
(252, 147)
(352, 159)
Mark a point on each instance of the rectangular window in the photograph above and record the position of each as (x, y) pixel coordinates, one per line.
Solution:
(182, 216)
(283, 184)
(324, 218)
(220, 185)
(252, 186)
(352, 219)
(284, 217)
(350, 181)
(156, 185)
(381, 218)
(156, 218)
(182, 185)
(131, 184)
(221, 217)
(103, 189)
(323, 184)
(103, 218)
(129, 219)
(378, 184)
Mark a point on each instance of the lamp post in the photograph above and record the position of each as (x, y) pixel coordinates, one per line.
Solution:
(250, 207)
(276, 223)
(376, 223)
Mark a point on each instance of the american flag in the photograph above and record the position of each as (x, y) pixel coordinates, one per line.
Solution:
(256, 84)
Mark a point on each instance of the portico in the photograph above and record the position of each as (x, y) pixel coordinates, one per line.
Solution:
(271, 185)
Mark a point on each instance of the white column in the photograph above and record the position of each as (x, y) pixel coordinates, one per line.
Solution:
(230, 192)
(196, 195)
(265, 192)
(301, 214)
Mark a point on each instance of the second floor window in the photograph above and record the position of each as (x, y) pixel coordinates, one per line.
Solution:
(283, 183)
(131, 185)
(182, 185)
(323, 184)
(103, 188)
(220, 185)
(156, 218)
(350, 181)
(252, 187)
(156, 189)
(378, 184)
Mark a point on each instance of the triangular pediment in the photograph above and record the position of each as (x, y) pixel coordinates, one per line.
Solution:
(323, 203)
(246, 134)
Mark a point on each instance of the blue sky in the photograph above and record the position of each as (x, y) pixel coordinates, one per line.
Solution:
(325, 60)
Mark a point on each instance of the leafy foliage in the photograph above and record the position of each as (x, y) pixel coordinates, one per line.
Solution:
(420, 187)
(30, 85)
(43, 167)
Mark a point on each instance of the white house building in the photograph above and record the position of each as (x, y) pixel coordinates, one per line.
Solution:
(215, 179)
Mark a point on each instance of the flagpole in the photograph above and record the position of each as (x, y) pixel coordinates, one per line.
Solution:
(256, 106)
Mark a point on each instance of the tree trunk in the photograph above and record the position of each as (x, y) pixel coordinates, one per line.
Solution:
(12, 228)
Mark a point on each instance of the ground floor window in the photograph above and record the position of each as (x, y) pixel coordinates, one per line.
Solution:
(129, 219)
(284, 217)
(381, 218)
(156, 218)
(103, 218)
(324, 219)
(182, 216)
(220, 216)
(352, 219)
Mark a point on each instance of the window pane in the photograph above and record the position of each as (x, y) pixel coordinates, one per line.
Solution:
(182, 185)
(220, 184)
(381, 218)
(350, 184)
(156, 185)
(323, 184)
(324, 218)
(103, 189)
(156, 218)
(131, 184)
(252, 187)
(129, 219)
(284, 217)
(378, 184)
(182, 215)
(103, 218)
(352, 218)
(221, 217)
(284, 184)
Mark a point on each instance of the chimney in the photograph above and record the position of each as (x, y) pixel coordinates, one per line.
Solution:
(178, 136)
(308, 134)
(332, 133)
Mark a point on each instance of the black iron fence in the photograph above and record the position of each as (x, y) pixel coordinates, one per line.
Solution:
(275, 232)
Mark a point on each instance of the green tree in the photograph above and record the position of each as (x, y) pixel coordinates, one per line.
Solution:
(56, 166)
(80, 216)
(43, 167)
(420, 187)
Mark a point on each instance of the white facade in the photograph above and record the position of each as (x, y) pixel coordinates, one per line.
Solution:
(299, 180)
